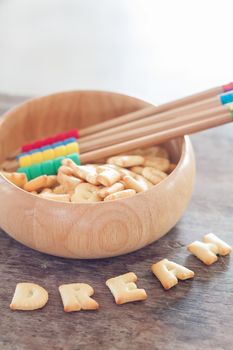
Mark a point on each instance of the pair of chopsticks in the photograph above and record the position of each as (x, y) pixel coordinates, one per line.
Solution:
(154, 125)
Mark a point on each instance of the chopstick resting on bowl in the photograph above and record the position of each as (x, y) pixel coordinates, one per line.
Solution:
(191, 104)
(143, 128)
(152, 110)
(162, 132)
(153, 127)
(195, 107)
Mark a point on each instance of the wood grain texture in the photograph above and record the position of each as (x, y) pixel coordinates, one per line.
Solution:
(88, 230)
(193, 315)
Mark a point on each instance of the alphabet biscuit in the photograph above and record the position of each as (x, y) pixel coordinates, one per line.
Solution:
(169, 272)
(156, 151)
(106, 191)
(76, 297)
(124, 289)
(120, 195)
(131, 183)
(209, 250)
(108, 177)
(153, 175)
(158, 163)
(126, 161)
(41, 182)
(137, 169)
(19, 179)
(55, 197)
(29, 296)
(85, 192)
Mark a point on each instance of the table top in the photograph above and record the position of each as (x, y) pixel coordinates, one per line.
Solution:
(196, 314)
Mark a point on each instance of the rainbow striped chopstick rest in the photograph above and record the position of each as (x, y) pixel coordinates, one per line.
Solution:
(49, 167)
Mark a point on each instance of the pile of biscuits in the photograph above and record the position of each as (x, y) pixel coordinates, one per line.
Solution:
(117, 177)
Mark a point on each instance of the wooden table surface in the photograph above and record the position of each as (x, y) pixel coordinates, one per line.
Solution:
(195, 314)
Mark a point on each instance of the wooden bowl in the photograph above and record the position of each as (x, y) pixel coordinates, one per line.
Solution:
(92, 230)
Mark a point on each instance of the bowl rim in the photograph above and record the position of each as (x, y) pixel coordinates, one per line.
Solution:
(185, 140)
(66, 92)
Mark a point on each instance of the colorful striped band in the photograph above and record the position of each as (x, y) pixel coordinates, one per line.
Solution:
(226, 98)
(48, 141)
(49, 167)
(53, 145)
(227, 87)
(231, 110)
(48, 153)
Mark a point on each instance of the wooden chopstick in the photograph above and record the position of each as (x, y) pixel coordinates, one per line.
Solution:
(145, 123)
(156, 138)
(152, 128)
(145, 112)
(156, 118)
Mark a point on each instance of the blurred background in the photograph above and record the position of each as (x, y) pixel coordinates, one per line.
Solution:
(155, 50)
